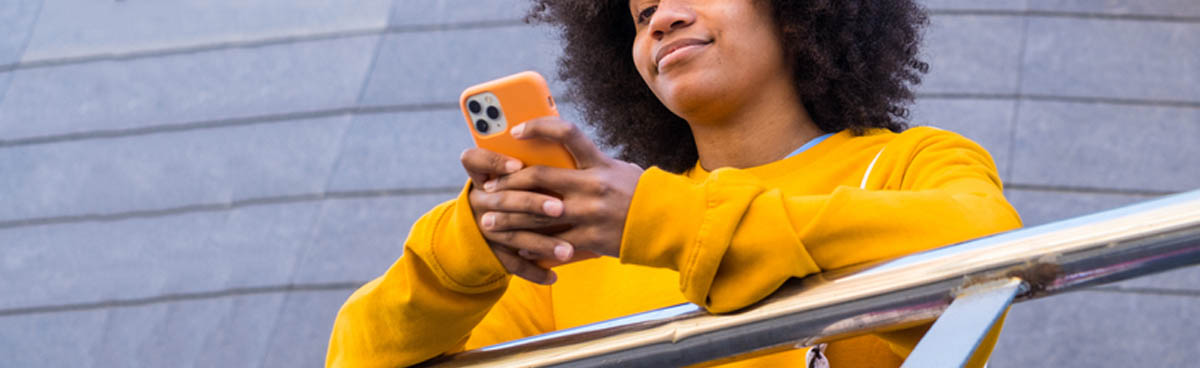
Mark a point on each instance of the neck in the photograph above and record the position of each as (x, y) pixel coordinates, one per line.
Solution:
(759, 132)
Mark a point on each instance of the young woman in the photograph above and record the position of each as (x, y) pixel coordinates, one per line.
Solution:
(774, 142)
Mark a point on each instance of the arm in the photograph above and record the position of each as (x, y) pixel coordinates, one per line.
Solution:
(437, 298)
(735, 241)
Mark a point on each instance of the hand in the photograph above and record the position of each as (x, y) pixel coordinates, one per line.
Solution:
(595, 198)
(536, 210)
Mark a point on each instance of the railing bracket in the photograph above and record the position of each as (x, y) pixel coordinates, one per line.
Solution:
(957, 333)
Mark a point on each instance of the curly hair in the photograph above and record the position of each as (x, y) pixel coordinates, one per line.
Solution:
(853, 63)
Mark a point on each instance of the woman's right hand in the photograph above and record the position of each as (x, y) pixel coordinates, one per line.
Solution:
(516, 248)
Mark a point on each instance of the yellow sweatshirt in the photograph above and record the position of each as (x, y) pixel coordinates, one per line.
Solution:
(723, 240)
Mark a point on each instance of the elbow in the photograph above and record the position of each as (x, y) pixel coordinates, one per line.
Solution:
(989, 212)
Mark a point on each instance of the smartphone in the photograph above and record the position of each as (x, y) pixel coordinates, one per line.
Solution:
(492, 108)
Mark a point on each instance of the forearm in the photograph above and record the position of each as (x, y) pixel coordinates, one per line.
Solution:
(400, 319)
(427, 303)
(734, 241)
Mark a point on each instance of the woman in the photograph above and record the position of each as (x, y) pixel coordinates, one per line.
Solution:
(772, 135)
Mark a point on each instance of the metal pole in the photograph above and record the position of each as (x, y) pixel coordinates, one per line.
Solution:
(1110, 246)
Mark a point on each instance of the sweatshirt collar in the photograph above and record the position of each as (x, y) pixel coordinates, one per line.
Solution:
(806, 155)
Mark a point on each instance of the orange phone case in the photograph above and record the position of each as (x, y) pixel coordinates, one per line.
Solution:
(521, 97)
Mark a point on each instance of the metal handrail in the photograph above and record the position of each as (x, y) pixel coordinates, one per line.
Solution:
(1109, 246)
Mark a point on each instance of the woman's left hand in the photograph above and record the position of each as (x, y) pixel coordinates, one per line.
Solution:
(596, 197)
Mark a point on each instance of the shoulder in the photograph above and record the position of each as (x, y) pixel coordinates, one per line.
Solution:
(926, 138)
(910, 143)
(930, 133)
(925, 152)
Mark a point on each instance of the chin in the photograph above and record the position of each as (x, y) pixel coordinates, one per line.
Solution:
(691, 97)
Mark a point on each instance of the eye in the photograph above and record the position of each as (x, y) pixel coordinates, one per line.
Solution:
(646, 14)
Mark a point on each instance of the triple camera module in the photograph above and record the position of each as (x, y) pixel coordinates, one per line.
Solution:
(485, 111)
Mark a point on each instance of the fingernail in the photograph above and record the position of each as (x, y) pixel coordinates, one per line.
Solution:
(489, 185)
(553, 278)
(552, 208)
(563, 252)
(517, 130)
(512, 166)
(488, 220)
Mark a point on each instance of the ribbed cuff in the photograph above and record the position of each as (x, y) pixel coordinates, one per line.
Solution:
(462, 254)
(664, 220)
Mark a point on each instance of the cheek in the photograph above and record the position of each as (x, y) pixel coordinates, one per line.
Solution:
(640, 61)
(761, 53)
(637, 59)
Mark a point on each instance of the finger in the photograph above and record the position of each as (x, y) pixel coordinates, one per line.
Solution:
(477, 178)
(482, 164)
(526, 254)
(542, 177)
(548, 263)
(508, 221)
(524, 268)
(542, 245)
(558, 130)
(517, 201)
(585, 243)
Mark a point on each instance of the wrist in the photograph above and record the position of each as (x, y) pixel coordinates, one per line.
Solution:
(663, 221)
(462, 254)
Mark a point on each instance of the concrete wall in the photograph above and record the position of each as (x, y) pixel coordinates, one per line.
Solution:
(203, 183)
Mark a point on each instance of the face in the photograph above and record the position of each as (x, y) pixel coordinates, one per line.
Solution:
(703, 57)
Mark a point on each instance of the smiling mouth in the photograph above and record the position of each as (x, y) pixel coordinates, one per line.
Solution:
(677, 49)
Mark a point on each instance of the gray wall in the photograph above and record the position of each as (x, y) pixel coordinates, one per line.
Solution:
(196, 183)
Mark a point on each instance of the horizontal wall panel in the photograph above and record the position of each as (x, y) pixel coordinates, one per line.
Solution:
(52, 340)
(90, 262)
(168, 170)
(987, 122)
(435, 67)
(972, 54)
(4, 79)
(16, 24)
(1092, 329)
(1107, 146)
(1175, 8)
(1112, 59)
(73, 28)
(403, 150)
(170, 90)
(1169, 8)
(359, 239)
(451, 12)
(220, 332)
(1042, 207)
(936, 5)
(301, 335)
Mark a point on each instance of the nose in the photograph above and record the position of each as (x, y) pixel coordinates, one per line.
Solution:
(670, 16)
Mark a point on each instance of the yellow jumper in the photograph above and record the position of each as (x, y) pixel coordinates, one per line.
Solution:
(723, 240)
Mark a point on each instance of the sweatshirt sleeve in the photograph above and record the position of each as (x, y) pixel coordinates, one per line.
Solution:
(448, 291)
(735, 241)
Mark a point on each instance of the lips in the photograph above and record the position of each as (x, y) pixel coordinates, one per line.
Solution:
(674, 46)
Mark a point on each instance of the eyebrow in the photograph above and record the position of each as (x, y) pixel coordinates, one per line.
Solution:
(633, 6)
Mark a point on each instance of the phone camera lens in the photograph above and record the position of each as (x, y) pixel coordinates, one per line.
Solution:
(473, 106)
(493, 112)
(481, 125)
